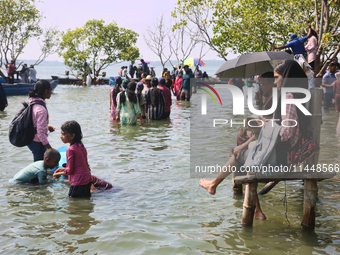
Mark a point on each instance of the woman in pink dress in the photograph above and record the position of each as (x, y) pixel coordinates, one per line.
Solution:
(177, 85)
(113, 97)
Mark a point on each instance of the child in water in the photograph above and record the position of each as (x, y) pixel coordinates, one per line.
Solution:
(36, 172)
(77, 167)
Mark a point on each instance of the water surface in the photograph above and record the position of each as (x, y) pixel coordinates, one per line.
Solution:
(158, 209)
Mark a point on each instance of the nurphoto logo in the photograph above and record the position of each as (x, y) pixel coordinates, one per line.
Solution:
(238, 100)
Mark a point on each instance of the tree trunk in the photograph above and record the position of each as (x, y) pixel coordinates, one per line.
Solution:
(3, 76)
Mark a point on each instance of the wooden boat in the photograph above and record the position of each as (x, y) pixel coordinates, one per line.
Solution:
(73, 81)
(65, 80)
(22, 88)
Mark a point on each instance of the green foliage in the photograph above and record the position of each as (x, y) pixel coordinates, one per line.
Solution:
(256, 25)
(19, 22)
(98, 45)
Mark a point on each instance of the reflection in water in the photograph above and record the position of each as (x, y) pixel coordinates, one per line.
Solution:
(160, 209)
(80, 220)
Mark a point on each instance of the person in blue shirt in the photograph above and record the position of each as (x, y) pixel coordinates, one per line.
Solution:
(327, 81)
(36, 173)
(145, 66)
(297, 44)
(186, 86)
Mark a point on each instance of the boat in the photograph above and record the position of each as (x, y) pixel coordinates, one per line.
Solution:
(76, 81)
(66, 80)
(23, 88)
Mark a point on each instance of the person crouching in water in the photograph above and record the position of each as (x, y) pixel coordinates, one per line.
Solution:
(128, 106)
(36, 173)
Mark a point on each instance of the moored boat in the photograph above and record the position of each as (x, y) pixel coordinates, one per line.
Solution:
(66, 80)
(23, 88)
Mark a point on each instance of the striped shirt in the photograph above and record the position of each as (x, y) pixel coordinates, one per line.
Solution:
(154, 111)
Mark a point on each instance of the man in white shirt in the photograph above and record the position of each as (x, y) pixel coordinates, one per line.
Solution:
(33, 74)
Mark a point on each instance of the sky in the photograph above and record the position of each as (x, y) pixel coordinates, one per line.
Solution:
(137, 15)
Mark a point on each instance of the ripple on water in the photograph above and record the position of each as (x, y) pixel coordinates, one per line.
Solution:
(157, 209)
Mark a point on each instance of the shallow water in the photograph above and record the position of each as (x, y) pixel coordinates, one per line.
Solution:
(158, 208)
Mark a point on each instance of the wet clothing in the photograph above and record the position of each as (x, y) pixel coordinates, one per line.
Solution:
(77, 167)
(100, 184)
(297, 45)
(128, 111)
(33, 173)
(186, 81)
(177, 87)
(80, 191)
(185, 95)
(37, 149)
(142, 105)
(167, 96)
(113, 112)
(155, 112)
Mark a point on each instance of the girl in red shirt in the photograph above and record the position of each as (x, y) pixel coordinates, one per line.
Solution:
(77, 167)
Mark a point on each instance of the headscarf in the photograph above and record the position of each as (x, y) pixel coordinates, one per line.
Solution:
(111, 81)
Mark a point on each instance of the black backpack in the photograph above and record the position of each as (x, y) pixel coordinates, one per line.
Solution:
(21, 129)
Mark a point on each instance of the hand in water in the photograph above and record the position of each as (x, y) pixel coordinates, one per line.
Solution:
(59, 172)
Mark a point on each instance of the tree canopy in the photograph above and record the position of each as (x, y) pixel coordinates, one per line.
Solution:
(257, 25)
(97, 46)
(20, 22)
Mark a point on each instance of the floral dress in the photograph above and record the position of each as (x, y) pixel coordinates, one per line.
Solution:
(128, 111)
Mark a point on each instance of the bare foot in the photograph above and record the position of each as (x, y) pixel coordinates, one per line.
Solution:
(208, 186)
(258, 214)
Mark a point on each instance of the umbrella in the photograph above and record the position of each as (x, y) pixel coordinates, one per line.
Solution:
(251, 64)
(139, 63)
(193, 62)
